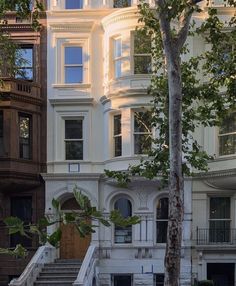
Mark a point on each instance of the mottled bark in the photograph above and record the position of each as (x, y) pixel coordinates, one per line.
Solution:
(172, 46)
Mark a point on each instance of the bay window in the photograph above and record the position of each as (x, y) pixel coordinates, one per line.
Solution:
(25, 136)
(117, 44)
(117, 138)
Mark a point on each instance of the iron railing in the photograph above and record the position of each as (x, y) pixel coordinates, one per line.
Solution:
(215, 236)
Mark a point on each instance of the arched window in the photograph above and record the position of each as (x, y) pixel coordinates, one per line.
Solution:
(123, 234)
(162, 220)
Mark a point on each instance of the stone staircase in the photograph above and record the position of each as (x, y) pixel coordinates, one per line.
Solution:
(62, 272)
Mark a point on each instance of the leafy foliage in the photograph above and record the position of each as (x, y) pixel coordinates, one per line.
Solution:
(206, 99)
(81, 219)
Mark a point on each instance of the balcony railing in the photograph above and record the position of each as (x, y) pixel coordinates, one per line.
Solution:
(216, 236)
(19, 87)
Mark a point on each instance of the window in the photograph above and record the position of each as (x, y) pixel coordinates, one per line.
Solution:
(117, 135)
(227, 135)
(1, 133)
(123, 234)
(122, 280)
(24, 63)
(117, 57)
(73, 66)
(21, 207)
(74, 139)
(162, 220)
(159, 279)
(73, 4)
(142, 53)
(142, 132)
(25, 134)
(219, 219)
(121, 3)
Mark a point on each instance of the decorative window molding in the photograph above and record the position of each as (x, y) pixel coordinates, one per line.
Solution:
(72, 54)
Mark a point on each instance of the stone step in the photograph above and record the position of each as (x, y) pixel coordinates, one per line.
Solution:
(51, 283)
(58, 274)
(63, 270)
(60, 279)
(76, 261)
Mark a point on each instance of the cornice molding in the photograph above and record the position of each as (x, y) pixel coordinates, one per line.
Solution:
(121, 15)
(23, 98)
(82, 26)
(71, 176)
(71, 101)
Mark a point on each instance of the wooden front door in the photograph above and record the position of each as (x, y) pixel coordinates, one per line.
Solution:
(73, 246)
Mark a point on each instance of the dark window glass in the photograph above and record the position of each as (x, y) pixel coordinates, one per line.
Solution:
(73, 4)
(73, 64)
(117, 136)
(25, 136)
(21, 207)
(1, 133)
(74, 139)
(142, 53)
(142, 132)
(219, 219)
(122, 280)
(159, 279)
(24, 63)
(162, 220)
(121, 3)
(227, 135)
(123, 234)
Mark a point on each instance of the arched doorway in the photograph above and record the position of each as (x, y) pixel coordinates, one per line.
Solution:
(72, 246)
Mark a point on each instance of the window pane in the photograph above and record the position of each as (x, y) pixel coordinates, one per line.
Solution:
(121, 3)
(74, 4)
(227, 144)
(219, 208)
(161, 231)
(118, 146)
(142, 43)
(118, 48)
(162, 208)
(24, 63)
(159, 279)
(21, 207)
(73, 129)
(25, 137)
(117, 124)
(142, 122)
(73, 55)
(142, 143)
(142, 64)
(73, 74)
(74, 150)
(122, 280)
(124, 206)
(117, 68)
(123, 234)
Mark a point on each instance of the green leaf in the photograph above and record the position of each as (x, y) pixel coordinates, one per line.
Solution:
(56, 204)
(55, 237)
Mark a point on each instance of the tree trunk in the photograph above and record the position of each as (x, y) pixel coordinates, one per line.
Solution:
(174, 237)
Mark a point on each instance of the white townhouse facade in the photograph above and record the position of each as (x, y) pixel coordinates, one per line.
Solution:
(98, 69)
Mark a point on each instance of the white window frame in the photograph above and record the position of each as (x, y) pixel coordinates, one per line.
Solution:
(60, 59)
(117, 59)
(141, 133)
(75, 139)
(114, 136)
(140, 55)
(221, 135)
